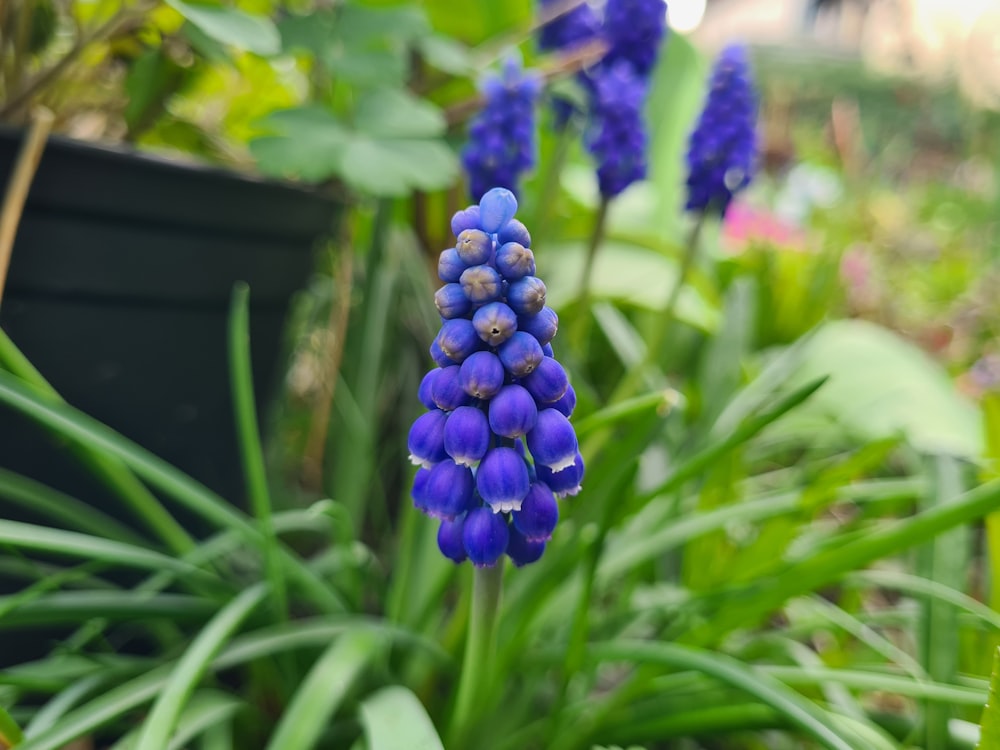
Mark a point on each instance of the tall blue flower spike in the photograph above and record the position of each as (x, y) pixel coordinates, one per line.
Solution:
(618, 135)
(497, 388)
(502, 140)
(723, 146)
(634, 30)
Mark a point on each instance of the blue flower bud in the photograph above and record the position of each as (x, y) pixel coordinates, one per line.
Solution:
(426, 439)
(502, 479)
(514, 231)
(485, 537)
(547, 350)
(522, 552)
(566, 404)
(495, 323)
(449, 491)
(565, 482)
(466, 435)
(552, 442)
(543, 326)
(450, 265)
(513, 412)
(538, 515)
(481, 284)
(419, 492)
(439, 357)
(548, 382)
(475, 247)
(482, 375)
(526, 296)
(447, 392)
(424, 392)
(467, 218)
(458, 339)
(520, 354)
(451, 301)
(496, 208)
(450, 541)
(514, 261)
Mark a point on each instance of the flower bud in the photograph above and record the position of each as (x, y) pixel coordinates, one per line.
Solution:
(565, 482)
(496, 208)
(514, 231)
(485, 537)
(481, 284)
(451, 301)
(419, 488)
(552, 442)
(547, 382)
(475, 247)
(495, 323)
(512, 412)
(514, 261)
(526, 296)
(449, 490)
(447, 392)
(566, 403)
(458, 339)
(426, 439)
(449, 539)
(520, 354)
(450, 265)
(482, 375)
(502, 479)
(467, 218)
(520, 551)
(426, 384)
(548, 351)
(538, 515)
(466, 435)
(439, 357)
(543, 325)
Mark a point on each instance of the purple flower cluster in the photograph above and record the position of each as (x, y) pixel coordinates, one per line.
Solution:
(634, 30)
(502, 142)
(617, 138)
(569, 30)
(723, 146)
(495, 448)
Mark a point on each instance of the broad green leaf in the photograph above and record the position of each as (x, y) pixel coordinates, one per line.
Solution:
(630, 274)
(394, 167)
(445, 54)
(881, 386)
(396, 113)
(309, 142)
(322, 690)
(232, 26)
(394, 719)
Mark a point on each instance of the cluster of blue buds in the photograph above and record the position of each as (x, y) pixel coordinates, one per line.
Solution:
(495, 448)
(634, 30)
(569, 30)
(502, 142)
(618, 138)
(723, 146)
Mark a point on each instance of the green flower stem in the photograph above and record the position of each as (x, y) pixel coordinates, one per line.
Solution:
(633, 379)
(480, 645)
(581, 331)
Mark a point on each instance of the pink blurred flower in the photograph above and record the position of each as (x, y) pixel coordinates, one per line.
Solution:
(745, 224)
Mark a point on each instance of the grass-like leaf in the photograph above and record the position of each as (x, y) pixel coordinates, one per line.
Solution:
(394, 719)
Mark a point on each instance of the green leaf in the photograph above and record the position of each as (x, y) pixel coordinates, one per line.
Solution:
(394, 167)
(232, 26)
(10, 732)
(159, 725)
(309, 142)
(396, 113)
(322, 691)
(990, 725)
(881, 386)
(394, 719)
(630, 274)
(446, 54)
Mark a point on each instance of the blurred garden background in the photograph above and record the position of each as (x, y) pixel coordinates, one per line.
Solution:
(223, 224)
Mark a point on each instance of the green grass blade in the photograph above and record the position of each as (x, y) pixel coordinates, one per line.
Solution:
(935, 692)
(62, 702)
(989, 738)
(206, 709)
(162, 719)
(74, 607)
(145, 505)
(799, 711)
(10, 732)
(248, 433)
(322, 691)
(394, 719)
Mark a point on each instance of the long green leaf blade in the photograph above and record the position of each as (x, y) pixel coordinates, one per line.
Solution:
(395, 719)
(989, 738)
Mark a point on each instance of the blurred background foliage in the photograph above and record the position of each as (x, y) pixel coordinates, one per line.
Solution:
(782, 526)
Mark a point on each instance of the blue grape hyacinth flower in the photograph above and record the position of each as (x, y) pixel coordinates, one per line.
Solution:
(723, 146)
(617, 136)
(497, 388)
(634, 30)
(502, 141)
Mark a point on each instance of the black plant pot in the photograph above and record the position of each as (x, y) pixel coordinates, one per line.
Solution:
(118, 292)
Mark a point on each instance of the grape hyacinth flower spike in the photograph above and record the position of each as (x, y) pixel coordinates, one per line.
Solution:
(723, 146)
(498, 385)
(634, 30)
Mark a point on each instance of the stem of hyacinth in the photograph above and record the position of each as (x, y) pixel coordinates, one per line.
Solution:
(581, 329)
(480, 645)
